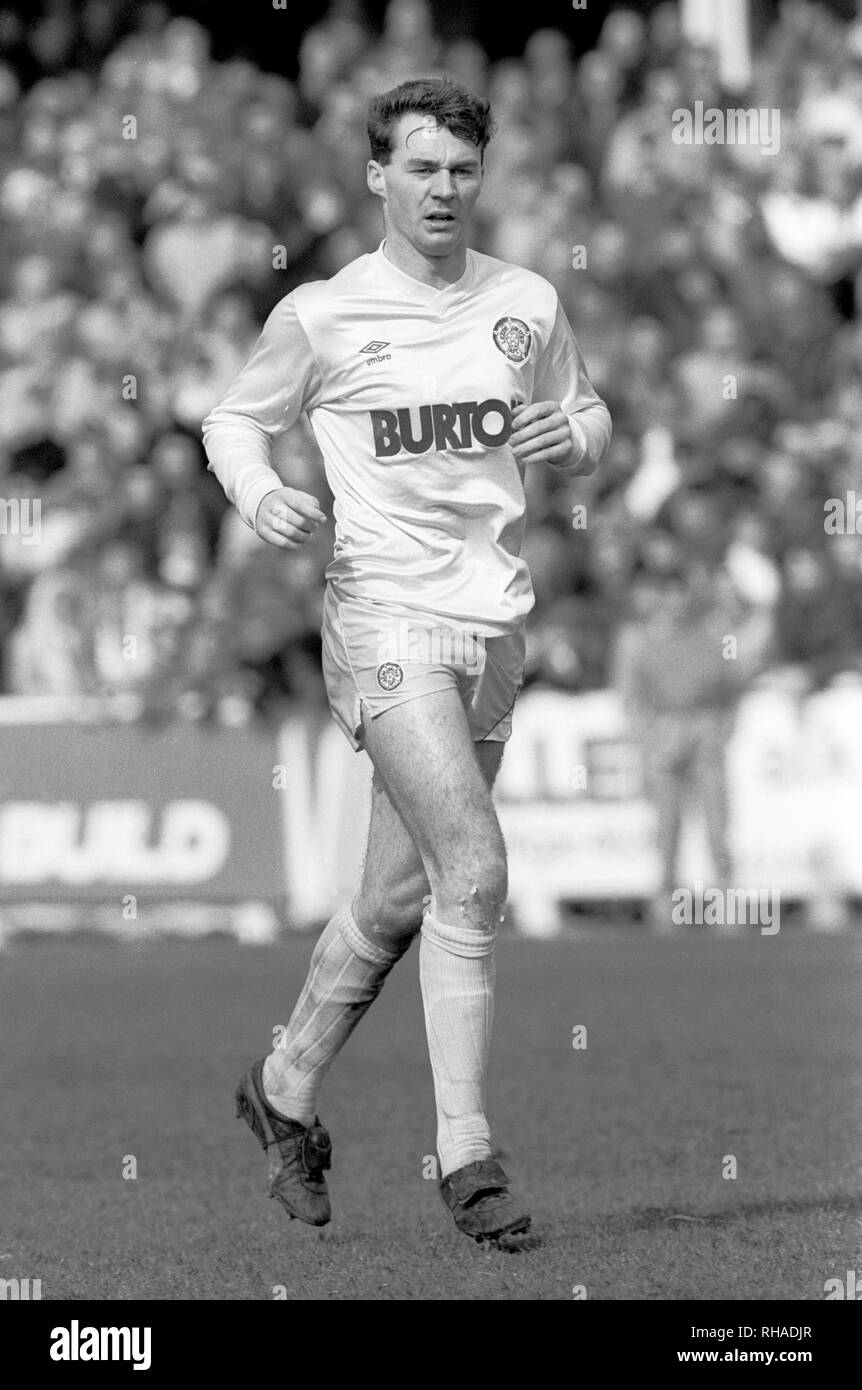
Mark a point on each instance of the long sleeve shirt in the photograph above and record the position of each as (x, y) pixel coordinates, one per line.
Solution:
(409, 391)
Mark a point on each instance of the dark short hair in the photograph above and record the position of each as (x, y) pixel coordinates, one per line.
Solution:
(467, 116)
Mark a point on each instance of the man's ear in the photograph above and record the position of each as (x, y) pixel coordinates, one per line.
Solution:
(376, 181)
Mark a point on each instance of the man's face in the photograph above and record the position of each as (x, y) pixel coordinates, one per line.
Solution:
(429, 186)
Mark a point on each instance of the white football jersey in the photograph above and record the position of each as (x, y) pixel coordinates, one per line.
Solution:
(409, 392)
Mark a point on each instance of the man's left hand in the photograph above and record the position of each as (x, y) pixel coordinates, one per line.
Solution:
(541, 433)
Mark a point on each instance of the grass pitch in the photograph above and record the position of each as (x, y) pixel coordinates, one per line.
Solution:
(119, 1058)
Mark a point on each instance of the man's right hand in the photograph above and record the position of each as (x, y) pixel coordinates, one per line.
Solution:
(288, 518)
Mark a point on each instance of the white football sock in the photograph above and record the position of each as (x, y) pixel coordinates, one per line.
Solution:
(346, 975)
(456, 972)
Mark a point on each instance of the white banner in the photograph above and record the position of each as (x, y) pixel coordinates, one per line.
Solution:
(572, 807)
(235, 815)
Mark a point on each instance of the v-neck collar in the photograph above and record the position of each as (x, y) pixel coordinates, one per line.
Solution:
(417, 289)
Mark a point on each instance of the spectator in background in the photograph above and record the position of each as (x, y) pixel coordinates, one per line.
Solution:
(682, 665)
(50, 651)
(122, 312)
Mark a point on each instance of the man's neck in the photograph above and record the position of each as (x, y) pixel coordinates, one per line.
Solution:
(435, 271)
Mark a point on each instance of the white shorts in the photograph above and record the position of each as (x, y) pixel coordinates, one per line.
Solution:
(375, 657)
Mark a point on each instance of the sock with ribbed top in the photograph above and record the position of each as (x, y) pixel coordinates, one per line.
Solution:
(345, 976)
(456, 973)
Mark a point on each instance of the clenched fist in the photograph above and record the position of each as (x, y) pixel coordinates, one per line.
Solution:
(541, 433)
(288, 518)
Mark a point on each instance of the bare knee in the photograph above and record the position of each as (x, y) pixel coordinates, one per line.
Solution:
(482, 902)
(475, 896)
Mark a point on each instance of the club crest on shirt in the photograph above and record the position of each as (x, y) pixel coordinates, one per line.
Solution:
(389, 675)
(513, 338)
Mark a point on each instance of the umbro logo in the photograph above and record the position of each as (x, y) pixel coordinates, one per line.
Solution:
(375, 351)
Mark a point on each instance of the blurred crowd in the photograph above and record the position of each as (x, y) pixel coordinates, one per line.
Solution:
(155, 204)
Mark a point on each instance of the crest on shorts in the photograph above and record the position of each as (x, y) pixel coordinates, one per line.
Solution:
(389, 675)
(513, 338)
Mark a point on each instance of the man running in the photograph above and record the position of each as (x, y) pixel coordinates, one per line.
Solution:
(432, 376)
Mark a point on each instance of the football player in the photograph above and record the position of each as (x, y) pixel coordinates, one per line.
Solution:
(432, 377)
